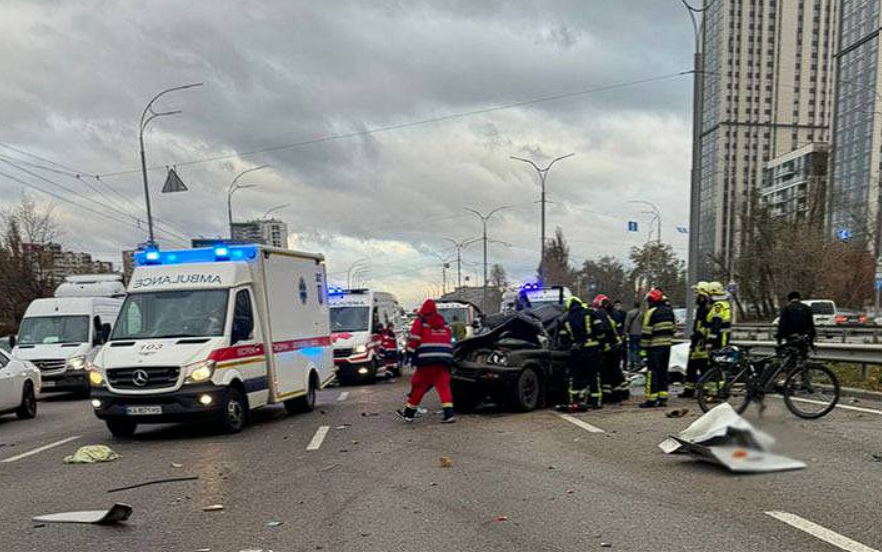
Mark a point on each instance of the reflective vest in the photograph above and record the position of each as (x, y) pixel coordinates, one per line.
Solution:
(610, 331)
(658, 327)
(719, 324)
(388, 341)
(592, 326)
(697, 347)
(430, 346)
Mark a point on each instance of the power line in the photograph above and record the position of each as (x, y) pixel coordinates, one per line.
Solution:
(400, 126)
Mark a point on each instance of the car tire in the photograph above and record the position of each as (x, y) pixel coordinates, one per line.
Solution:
(527, 391)
(234, 412)
(28, 407)
(306, 403)
(372, 374)
(121, 428)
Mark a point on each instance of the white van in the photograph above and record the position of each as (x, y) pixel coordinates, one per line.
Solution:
(60, 335)
(463, 311)
(537, 295)
(357, 316)
(213, 333)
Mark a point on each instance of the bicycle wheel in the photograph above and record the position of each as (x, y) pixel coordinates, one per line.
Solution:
(719, 386)
(811, 392)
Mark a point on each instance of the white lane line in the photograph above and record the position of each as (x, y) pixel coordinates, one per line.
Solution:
(343, 396)
(318, 438)
(584, 425)
(842, 406)
(40, 449)
(821, 533)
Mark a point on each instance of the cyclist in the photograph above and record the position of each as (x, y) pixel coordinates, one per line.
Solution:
(796, 320)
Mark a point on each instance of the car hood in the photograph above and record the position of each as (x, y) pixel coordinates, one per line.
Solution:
(51, 351)
(520, 326)
(156, 352)
(348, 340)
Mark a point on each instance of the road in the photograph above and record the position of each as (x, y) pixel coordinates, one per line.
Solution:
(530, 482)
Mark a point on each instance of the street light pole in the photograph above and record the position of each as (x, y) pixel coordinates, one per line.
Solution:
(349, 270)
(234, 185)
(543, 174)
(145, 120)
(459, 245)
(656, 214)
(484, 218)
(276, 208)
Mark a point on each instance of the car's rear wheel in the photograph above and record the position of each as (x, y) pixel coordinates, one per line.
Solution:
(28, 407)
(527, 391)
(306, 403)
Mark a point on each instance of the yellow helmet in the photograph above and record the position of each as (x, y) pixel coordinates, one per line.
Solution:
(716, 289)
(701, 288)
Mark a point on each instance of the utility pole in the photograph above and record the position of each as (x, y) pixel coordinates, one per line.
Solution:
(543, 174)
(484, 218)
(145, 120)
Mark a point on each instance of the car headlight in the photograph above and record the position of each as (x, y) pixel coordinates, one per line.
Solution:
(359, 349)
(497, 358)
(200, 371)
(77, 362)
(95, 377)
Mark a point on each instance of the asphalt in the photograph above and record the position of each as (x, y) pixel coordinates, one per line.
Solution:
(529, 482)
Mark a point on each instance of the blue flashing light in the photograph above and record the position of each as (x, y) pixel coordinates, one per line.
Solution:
(336, 291)
(199, 255)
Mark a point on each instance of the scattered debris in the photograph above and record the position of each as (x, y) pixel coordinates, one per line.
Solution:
(723, 437)
(571, 491)
(329, 468)
(213, 508)
(677, 413)
(369, 414)
(274, 523)
(341, 426)
(501, 517)
(155, 482)
(203, 550)
(446, 462)
(605, 545)
(91, 454)
(433, 484)
(117, 513)
(39, 525)
(877, 457)
(176, 465)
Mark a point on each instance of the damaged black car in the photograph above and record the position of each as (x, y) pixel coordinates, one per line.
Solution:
(519, 361)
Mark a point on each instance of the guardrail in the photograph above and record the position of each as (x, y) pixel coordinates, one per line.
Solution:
(858, 353)
(826, 334)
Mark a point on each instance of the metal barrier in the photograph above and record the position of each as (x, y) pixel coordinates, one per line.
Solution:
(858, 353)
(826, 334)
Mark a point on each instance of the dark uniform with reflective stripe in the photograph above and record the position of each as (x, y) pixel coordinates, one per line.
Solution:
(658, 333)
(611, 377)
(581, 324)
(698, 355)
(719, 324)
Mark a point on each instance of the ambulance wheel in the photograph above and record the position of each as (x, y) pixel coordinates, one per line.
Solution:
(396, 372)
(372, 375)
(121, 428)
(234, 412)
(306, 403)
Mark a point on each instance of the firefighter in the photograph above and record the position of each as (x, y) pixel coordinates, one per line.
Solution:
(655, 345)
(719, 317)
(698, 355)
(580, 324)
(613, 383)
(389, 349)
(431, 353)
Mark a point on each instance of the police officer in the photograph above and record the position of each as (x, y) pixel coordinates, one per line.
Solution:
(698, 355)
(719, 317)
(580, 324)
(613, 382)
(655, 345)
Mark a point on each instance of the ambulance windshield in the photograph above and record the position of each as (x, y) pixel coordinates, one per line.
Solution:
(165, 314)
(350, 319)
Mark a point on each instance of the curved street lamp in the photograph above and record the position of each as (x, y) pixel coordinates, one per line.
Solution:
(234, 185)
(543, 174)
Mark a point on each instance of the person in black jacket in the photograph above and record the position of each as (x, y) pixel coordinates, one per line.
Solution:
(796, 319)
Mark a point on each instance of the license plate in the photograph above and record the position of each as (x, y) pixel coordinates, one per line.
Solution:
(48, 383)
(143, 410)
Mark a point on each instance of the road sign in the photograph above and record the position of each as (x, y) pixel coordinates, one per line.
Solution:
(632, 226)
(878, 283)
(173, 183)
(843, 234)
(682, 230)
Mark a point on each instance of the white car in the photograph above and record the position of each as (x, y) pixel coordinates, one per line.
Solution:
(19, 385)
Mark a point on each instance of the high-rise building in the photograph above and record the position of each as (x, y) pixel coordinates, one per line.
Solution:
(795, 184)
(272, 232)
(57, 263)
(854, 188)
(767, 90)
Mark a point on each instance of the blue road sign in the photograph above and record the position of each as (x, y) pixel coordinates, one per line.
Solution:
(844, 234)
(878, 283)
(632, 226)
(682, 230)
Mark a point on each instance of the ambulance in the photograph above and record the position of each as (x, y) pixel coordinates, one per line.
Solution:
(536, 294)
(463, 311)
(213, 333)
(357, 316)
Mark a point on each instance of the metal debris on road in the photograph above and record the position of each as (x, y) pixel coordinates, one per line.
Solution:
(501, 517)
(677, 413)
(341, 426)
(117, 513)
(877, 457)
(91, 454)
(176, 465)
(155, 482)
(446, 462)
(723, 437)
(369, 414)
(213, 508)
(274, 523)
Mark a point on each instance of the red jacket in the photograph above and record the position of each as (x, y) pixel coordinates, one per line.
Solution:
(430, 342)
(388, 341)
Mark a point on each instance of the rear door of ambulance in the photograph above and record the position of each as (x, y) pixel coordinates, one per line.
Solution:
(297, 320)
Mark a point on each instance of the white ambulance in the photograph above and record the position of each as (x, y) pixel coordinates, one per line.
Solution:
(463, 311)
(536, 294)
(213, 333)
(357, 316)
(61, 334)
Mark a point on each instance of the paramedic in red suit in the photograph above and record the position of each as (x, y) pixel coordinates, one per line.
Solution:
(389, 347)
(431, 352)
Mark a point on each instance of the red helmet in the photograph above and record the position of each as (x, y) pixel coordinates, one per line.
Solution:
(655, 296)
(602, 302)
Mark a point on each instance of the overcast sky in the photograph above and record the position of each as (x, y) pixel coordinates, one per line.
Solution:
(76, 76)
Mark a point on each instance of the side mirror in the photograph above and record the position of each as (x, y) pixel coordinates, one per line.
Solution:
(242, 328)
(12, 340)
(104, 333)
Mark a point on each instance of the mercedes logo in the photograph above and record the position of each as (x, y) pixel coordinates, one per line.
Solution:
(140, 377)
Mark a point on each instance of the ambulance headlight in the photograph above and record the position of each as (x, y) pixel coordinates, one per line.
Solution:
(360, 349)
(200, 371)
(95, 377)
(76, 362)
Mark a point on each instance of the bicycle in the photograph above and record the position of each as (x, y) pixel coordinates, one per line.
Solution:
(738, 378)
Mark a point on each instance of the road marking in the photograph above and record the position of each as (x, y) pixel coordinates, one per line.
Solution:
(842, 406)
(584, 425)
(40, 449)
(343, 396)
(318, 438)
(821, 533)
